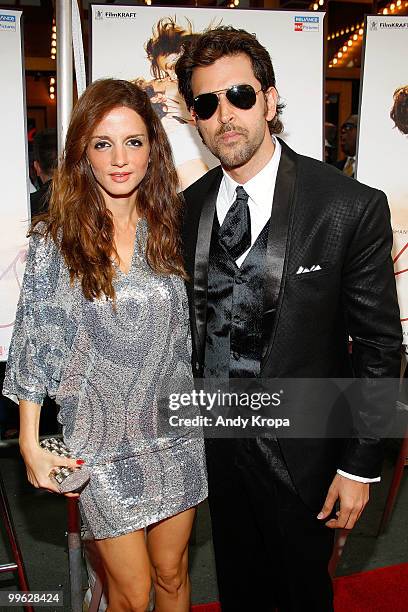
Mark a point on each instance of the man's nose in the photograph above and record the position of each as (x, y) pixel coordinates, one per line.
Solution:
(225, 109)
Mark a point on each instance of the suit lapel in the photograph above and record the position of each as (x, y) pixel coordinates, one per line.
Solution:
(201, 260)
(277, 244)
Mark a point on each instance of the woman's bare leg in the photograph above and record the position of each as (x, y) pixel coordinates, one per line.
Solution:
(167, 544)
(127, 567)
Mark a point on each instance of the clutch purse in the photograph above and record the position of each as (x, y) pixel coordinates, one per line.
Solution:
(68, 480)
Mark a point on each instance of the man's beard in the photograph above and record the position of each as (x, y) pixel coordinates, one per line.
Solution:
(237, 154)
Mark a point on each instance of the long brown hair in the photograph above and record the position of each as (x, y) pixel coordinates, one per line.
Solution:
(167, 38)
(399, 111)
(78, 220)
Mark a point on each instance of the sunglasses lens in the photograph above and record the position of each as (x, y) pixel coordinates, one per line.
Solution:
(242, 96)
(205, 105)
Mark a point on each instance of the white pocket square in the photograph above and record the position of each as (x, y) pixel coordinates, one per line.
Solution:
(302, 270)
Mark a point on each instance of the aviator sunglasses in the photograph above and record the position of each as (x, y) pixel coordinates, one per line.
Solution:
(240, 96)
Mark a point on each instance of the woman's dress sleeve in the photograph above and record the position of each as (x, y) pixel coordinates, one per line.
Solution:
(37, 344)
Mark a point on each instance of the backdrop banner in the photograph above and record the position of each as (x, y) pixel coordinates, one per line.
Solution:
(142, 44)
(14, 208)
(382, 151)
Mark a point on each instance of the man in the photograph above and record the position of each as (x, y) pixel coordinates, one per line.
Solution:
(348, 143)
(45, 162)
(251, 226)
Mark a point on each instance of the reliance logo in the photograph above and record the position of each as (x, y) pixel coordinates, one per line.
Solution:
(9, 18)
(307, 24)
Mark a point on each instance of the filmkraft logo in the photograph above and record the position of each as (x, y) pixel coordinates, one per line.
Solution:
(396, 24)
(121, 15)
(306, 24)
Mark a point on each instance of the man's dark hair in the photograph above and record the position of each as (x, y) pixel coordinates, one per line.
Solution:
(210, 46)
(46, 151)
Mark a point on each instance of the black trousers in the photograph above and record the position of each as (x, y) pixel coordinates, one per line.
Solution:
(270, 549)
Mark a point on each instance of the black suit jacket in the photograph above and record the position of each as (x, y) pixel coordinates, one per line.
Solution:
(319, 217)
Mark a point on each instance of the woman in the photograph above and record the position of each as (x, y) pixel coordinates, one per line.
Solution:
(163, 49)
(102, 326)
(399, 215)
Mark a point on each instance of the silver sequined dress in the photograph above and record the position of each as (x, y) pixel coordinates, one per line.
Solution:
(108, 370)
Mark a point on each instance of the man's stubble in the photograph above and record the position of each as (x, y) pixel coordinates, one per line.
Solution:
(239, 153)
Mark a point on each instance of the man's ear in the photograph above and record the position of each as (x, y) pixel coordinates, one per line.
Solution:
(271, 99)
(37, 167)
(193, 116)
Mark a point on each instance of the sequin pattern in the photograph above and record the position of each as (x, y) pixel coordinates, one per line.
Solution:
(107, 369)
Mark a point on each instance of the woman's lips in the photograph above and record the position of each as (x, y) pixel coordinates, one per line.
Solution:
(120, 177)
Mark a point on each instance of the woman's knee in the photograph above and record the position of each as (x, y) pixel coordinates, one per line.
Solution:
(129, 598)
(170, 576)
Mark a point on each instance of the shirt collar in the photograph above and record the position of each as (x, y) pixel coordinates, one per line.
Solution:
(262, 185)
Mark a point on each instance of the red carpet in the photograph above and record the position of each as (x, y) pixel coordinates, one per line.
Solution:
(379, 590)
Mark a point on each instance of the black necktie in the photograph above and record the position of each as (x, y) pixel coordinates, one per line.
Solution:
(235, 232)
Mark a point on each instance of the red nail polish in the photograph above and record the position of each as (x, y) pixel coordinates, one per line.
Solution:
(80, 461)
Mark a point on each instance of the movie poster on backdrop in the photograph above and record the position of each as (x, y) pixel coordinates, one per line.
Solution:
(142, 44)
(382, 153)
(13, 174)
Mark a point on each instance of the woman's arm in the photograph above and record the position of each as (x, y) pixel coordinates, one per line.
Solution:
(39, 462)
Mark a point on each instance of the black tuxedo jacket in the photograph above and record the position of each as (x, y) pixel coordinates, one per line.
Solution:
(319, 217)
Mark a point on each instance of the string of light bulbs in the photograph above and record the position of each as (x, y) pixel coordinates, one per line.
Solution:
(342, 55)
(316, 6)
(53, 40)
(51, 88)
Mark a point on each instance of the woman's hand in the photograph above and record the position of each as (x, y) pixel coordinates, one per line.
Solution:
(40, 463)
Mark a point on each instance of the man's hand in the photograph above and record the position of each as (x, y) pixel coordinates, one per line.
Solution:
(353, 498)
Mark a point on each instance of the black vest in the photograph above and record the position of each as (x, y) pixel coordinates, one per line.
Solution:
(235, 307)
